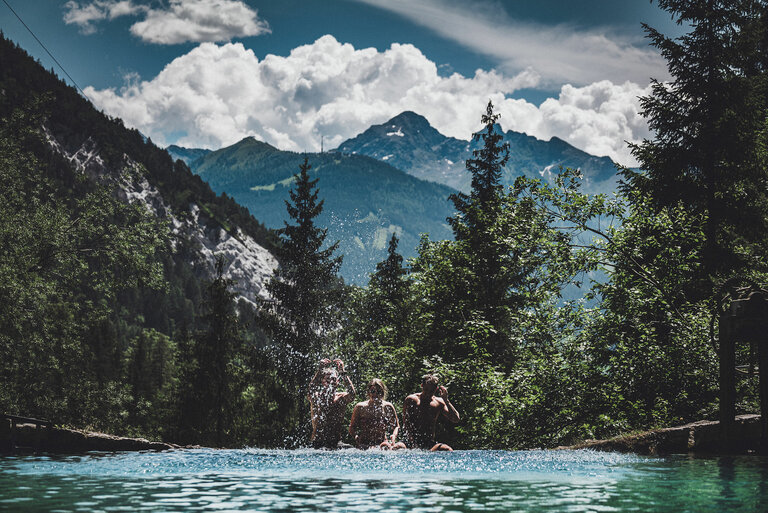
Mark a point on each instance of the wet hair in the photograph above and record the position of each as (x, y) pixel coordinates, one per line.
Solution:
(430, 378)
(378, 383)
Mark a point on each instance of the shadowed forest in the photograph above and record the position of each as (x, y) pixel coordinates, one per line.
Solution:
(105, 324)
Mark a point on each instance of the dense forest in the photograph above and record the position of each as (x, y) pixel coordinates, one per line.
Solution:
(103, 324)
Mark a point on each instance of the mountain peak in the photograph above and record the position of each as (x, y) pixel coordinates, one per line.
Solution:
(406, 130)
(409, 117)
(408, 123)
(249, 139)
(408, 142)
(251, 144)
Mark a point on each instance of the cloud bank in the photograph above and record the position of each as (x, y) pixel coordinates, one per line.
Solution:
(180, 22)
(558, 53)
(215, 95)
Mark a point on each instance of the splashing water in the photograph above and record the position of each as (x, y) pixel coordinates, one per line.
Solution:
(352, 480)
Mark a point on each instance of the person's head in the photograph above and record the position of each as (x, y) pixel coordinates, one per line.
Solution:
(377, 389)
(429, 383)
(329, 378)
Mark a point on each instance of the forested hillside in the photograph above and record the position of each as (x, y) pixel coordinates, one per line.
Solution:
(365, 200)
(108, 251)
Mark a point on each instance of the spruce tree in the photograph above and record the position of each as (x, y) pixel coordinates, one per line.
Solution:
(213, 389)
(305, 288)
(707, 122)
(476, 215)
(388, 291)
(389, 276)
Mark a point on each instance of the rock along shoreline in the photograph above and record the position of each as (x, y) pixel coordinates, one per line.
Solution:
(702, 437)
(32, 438)
(697, 437)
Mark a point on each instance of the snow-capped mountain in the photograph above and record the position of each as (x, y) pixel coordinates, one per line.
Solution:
(410, 143)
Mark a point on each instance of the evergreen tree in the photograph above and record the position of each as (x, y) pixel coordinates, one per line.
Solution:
(304, 289)
(707, 123)
(476, 215)
(388, 292)
(696, 215)
(390, 275)
(213, 392)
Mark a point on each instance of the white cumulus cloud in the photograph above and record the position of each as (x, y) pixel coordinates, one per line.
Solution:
(180, 21)
(215, 95)
(599, 118)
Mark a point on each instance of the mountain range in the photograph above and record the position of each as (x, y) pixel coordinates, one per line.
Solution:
(365, 200)
(410, 143)
(393, 177)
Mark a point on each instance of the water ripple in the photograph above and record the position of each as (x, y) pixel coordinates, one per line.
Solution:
(351, 480)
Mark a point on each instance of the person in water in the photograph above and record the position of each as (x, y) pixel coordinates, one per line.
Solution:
(374, 422)
(327, 405)
(421, 412)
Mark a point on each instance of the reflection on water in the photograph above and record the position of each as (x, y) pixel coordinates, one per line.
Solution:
(351, 480)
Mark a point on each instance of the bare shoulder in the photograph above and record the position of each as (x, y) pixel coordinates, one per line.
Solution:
(361, 404)
(413, 398)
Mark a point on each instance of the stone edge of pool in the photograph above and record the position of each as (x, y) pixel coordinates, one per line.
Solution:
(697, 437)
(29, 438)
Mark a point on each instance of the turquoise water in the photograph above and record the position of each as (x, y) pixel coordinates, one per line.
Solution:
(413, 481)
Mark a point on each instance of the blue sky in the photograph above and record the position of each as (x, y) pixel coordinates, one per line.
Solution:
(209, 72)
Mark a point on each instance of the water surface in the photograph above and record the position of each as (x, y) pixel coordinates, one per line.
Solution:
(352, 480)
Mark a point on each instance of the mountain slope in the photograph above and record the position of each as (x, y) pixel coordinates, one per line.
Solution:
(365, 199)
(188, 155)
(410, 143)
(102, 149)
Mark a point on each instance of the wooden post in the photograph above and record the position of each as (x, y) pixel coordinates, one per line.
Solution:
(38, 437)
(5, 435)
(727, 377)
(762, 358)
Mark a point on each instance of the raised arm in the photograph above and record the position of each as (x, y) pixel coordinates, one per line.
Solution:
(350, 395)
(449, 411)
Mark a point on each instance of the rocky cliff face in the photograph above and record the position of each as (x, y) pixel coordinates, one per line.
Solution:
(246, 263)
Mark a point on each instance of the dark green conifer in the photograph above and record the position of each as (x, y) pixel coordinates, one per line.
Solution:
(476, 215)
(388, 291)
(212, 394)
(305, 287)
(707, 123)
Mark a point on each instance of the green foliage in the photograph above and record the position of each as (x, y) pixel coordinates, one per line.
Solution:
(102, 312)
(214, 384)
(696, 216)
(705, 155)
(66, 253)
